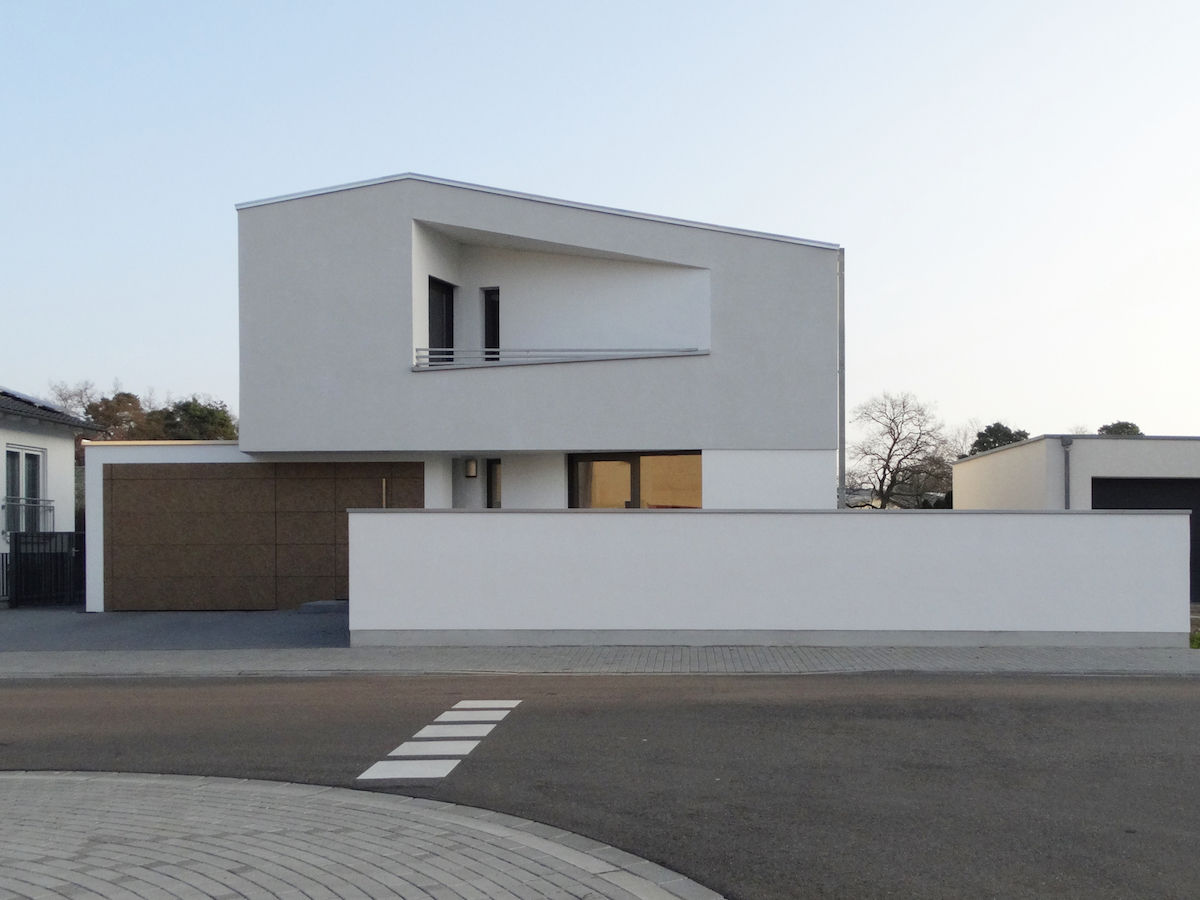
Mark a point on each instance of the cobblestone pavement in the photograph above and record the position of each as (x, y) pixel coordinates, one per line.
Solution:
(134, 837)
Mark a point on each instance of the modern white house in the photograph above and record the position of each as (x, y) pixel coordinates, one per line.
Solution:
(1087, 471)
(570, 342)
(486, 416)
(413, 342)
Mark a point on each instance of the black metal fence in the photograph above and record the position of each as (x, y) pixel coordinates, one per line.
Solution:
(45, 568)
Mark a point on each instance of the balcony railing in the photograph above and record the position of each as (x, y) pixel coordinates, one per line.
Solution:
(26, 514)
(467, 357)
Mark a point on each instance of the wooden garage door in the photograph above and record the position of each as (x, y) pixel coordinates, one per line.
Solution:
(1155, 493)
(241, 535)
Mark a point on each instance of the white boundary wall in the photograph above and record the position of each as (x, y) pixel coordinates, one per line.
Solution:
(821, 577)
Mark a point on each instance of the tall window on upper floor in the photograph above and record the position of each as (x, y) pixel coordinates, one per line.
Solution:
(634, 480)
(24, 471)
(491, 323)
(441, 322)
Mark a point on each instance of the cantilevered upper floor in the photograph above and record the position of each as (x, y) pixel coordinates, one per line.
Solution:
(415, 314)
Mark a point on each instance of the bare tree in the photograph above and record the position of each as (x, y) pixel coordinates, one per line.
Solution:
(74, 398)
(904, 454)
(959, 440)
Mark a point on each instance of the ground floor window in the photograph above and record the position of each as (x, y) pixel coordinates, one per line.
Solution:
(661, 480)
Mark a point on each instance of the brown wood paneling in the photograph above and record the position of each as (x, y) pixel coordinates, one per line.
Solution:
(153, 528)
(305, 527)
(192, 471)
(192, 560)
(304, 494)
(238, 536)
(182, 592)
(406, 490)
(196, 495)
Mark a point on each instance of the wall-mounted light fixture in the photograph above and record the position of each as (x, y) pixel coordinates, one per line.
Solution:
(471, 468)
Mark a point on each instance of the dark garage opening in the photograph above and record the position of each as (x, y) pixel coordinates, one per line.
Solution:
(1154, 493)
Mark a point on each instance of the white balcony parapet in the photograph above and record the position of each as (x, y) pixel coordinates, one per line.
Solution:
(431, 358)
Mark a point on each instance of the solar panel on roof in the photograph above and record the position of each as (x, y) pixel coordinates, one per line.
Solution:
(28, 398)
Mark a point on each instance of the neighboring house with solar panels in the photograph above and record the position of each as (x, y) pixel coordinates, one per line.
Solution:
(39, 465)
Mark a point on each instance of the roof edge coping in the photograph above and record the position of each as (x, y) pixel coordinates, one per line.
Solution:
(1080, 437)
(537, 198)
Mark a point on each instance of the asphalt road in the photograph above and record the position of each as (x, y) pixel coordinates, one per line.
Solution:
(759, 787)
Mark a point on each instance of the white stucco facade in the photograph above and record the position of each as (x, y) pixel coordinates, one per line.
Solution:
(1032, 473)
(737, 338)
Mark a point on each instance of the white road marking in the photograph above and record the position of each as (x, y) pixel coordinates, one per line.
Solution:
(477, 715)
(486, 704)
(435, 748)
(409, 768)
(454, 731)
(477, 718)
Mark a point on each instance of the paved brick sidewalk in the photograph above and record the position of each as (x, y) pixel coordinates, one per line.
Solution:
(597, 660)
(37, 643)
(133, 837)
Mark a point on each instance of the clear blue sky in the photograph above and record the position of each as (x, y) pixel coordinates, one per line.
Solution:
(1015, 184)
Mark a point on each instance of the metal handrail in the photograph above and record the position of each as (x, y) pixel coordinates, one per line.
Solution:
(444, 357)
(27, 514)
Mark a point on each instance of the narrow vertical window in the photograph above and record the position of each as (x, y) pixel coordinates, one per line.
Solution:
(33, 492)
(12, 491)
(441, 322)
(491, 323)
(493, 484)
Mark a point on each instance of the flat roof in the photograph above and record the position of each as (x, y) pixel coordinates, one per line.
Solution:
(1080, 437)
(537, 198)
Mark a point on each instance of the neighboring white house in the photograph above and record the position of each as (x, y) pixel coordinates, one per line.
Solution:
(1087, 471)
(39, 465)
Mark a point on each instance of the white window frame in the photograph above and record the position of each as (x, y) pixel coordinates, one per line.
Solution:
(25, 450)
